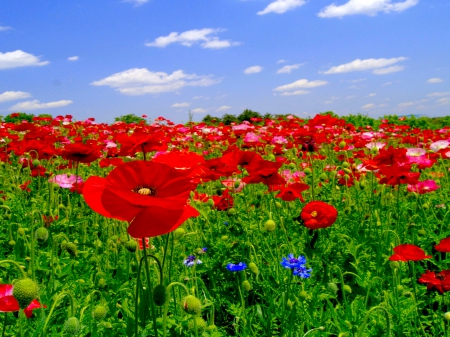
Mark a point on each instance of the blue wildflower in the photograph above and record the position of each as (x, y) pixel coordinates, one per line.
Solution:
(302, 272)
(291, 262)
(191, 260)
(225, 223)
(236, 267)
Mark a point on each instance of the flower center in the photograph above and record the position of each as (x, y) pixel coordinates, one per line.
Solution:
(313, 214)
(145, 190)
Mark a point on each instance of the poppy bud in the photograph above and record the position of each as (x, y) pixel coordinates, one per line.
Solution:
(345, 164)
(36, 162)
(210, 202)
(289, 305)
(253, 268)
(179, 233)
(307, 170)
(71, 248)
(224, 237)
(342, 144)
(347, 288)
(270, 225)
(25, 291)
(422, 232)
(447, 316)
(200, 322)
(304, 294)
(101, 282)
(394, 265)
(247, 286)
(292, 166)
(123, 238)
(191, 305)
(400, 287)
(41, 234)
(323, 176)
(130, 246)
(11, 242)
(99, 312)
(72, 326)
(159, 295)
(21, 231)
(231, 211)
(333, 287)
(211, 328)
(346, 170)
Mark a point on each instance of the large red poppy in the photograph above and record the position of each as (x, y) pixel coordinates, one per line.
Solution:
(152, 197)
(443, 246)
(80, 152)
(439, 281)
(8, 303)
(408, 252)
(318, 214)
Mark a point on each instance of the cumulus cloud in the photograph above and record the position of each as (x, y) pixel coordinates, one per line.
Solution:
(288, 69)
(252, 70)
(365, 7)
(361, 65)
(207, 37)
(13, 95)
(387, 70)
(4, 28)
(434, 80)
(368, 106)
(36, 105)
(199, 111)
(180, 105)
(371, 95)
(406, 104)
(141, 81)
(73, 58)
(303, 83)
(295, 93)
(223, 108)
(281, 6)
(281, 61)
(19, 58)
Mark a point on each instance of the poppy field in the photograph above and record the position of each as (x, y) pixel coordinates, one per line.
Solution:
(267, 227)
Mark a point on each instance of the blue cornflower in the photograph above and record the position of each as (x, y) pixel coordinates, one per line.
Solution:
(191, 260)
(302, 272)
(236, 267)
(291, 262)
(225, 223)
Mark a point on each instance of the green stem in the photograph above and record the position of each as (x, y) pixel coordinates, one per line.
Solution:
(16, 265)
(166, 305)
(4, 325)
(60, 296)
(149, 285)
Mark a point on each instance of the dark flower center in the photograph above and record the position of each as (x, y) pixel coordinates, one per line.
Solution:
(145, 190)
(441, 277)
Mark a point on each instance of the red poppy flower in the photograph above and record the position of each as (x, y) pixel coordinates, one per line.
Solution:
(439, 281)
(318, 214)
(266, 172)
(443, 246)
(292, 192)
(152, 197)
(408, 252)
(223, 202)
(79, 152)
(9, 304)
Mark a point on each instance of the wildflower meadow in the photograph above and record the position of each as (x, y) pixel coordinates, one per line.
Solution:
(263, 227)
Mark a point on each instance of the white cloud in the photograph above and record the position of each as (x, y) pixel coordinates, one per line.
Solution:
(303, 83)
(434, 80)
(281, 6)
(295, 93)
(406, 104)
(223, 108)
(4, 28)
(288, 69)
(387, 83)
(252, 70)
(19, 58)
(13, 95)
(206, 37)
(368, 106)
(371, 95)
(443, 101)
(36, 105)
(140, 81)
(73, 58)
(281, 61)
(383, 105)
(361, 65)
(180, 105)
(365, 7)
(199, 111)
(136, 2)
(388, 70)
(439, 94)
(350, 97)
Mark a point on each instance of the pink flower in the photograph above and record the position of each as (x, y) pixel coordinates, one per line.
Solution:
(279, 140)
(439, 145)
(377, 145)
(65, 181)
(235, 184)
(250, 137)
(423, 187)
(415, 152)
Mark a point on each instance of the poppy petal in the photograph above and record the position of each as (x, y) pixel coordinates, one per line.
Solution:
(8, 304)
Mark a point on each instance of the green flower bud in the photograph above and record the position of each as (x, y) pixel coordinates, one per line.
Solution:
(270, 225)
(11, 242)
(345, 164)
(447, 316)
(99, 312)
(394, 265)
(178, 233)
(292, 166)
(304, 294)
(191, 305)
(200, 322)
(36, 162)
(246, 285)
(71, 248)
(101, 282)
(333, 287)
(307, 170)
(289, 305)
(347, 288)
(72, 327)
(224, 237)
(159, 295)
(253, 268)
(400, 287)
(123, 238)
(422, 232)
(231, 211)
(342, 144)
(131, 246)
(41, 234)
(210, 202)
(211, 328)
(323, 176)
(25, 291)
(21, 231)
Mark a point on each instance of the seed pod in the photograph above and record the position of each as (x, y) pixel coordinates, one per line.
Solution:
(131, 246)
(25, 291)
(99, 312)
(246, 285)
(72, 326)
(191, 305)
(159, 295)
(41, 234)
(333, 287)
(178, 233)
(270, 225)
(253, 268)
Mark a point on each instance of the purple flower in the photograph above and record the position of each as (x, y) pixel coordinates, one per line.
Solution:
(236, 267)
(191, 260)
(298, 266)
(65, 181)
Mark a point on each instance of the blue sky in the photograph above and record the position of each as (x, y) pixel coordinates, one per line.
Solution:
(107, 58)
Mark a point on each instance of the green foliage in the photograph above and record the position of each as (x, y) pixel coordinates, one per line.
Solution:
(130, 119)
(247, 114)
(18, 117)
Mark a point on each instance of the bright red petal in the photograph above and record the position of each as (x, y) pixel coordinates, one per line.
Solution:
(8, 304)
(6, 290)
(33, 305)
